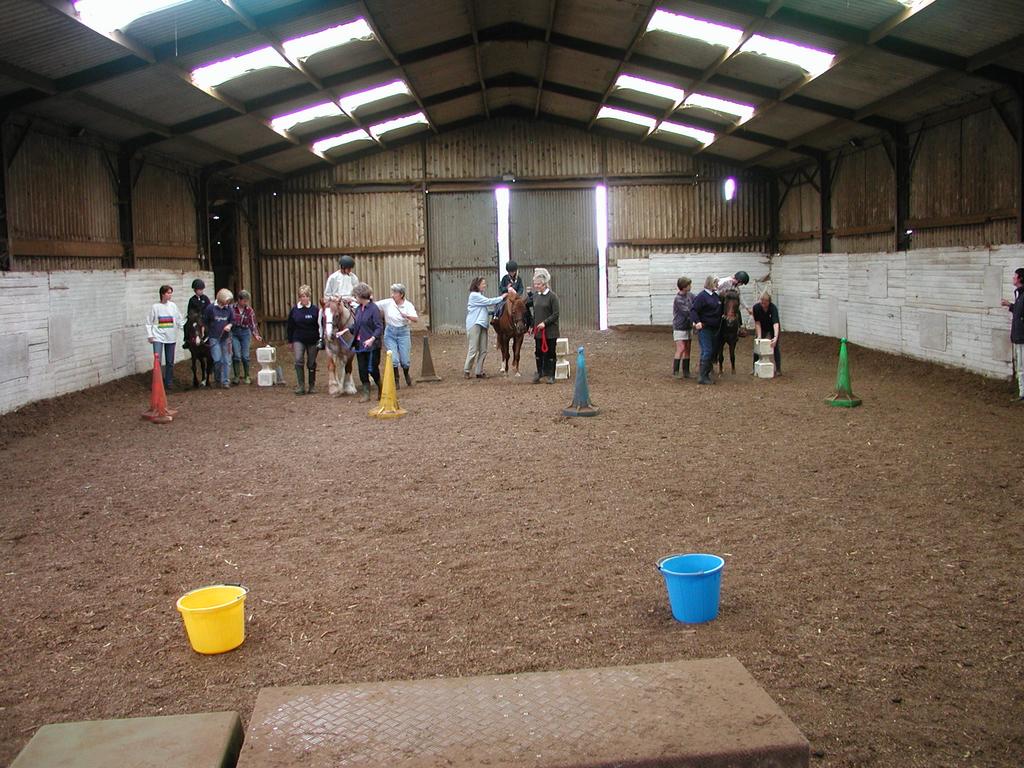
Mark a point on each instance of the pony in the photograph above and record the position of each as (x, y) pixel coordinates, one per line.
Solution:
(511, 326)
(340, 352)
(730, 330)
(195, 342)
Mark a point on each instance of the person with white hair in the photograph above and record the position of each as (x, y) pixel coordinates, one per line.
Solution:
(545, 329)
(219, 317)
(398, 313)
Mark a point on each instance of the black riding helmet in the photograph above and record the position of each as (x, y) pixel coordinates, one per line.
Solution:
(511, 267)
(742, 277)
(198, 284)
(346, 262)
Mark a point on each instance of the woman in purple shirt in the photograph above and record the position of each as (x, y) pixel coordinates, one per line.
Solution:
(368, 329)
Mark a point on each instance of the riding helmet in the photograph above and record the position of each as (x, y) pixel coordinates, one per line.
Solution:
(742, 277)
(511, 267)
(198, 284)
(346, 262)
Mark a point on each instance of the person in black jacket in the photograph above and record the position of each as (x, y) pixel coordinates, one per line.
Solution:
(197, 305)
(706, 314)
(1016, 308)
(545, 332)
(303, 336)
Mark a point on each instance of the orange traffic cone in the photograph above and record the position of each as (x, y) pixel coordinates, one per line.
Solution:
(158, 412)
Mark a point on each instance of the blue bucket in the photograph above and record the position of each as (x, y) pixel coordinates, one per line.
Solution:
(694, 583)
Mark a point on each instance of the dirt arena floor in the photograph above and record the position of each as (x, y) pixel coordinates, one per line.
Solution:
(873, 556)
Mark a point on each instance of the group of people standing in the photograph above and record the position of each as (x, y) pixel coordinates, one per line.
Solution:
(229, 324)
(542, 308)
(703, 313)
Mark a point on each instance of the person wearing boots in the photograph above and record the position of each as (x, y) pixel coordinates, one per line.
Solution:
(162, 327)
(706, 315)
(197, 304)
(545, 330)
(510, 281)
(681, 326)
(368, 328)
(303, 337)
(398, 312)
(243, 331)
(218, 317)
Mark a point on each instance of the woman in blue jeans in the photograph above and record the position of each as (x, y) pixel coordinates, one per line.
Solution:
(243, 331)
(218, 317)
(398, 312)
(706, 315)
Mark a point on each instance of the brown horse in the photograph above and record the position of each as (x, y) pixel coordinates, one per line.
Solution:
(339, 347)
(511, 326)
(730, 329)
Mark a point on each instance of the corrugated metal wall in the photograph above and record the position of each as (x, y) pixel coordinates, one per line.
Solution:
(686, 217)
(164, 218)
(557, 229)
(463, 245)
(864, 199)
(62, 205)
(799, 218)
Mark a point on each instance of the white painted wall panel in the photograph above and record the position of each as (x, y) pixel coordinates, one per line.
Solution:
(37, 309)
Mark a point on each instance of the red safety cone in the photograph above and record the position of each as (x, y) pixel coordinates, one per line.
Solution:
(158, 412)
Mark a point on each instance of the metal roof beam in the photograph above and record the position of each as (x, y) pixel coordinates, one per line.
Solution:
(623, 59)
(547, 51)
(877, 38)
(471, 12)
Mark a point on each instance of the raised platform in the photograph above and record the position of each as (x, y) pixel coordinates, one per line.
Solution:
(710, 714)
(208, 740)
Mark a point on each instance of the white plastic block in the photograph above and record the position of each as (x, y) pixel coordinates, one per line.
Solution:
(764, 369)
(562, 369)
(266, 377)
(266, 355)
(762, 346)
(562, 346)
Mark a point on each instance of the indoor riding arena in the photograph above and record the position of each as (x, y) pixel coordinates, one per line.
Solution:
(256, 554)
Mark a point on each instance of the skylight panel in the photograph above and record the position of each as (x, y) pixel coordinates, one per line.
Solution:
(345, 138)
(811, 60)
(228, 69)
(704, 137)
(915, 5)
(742, 111)
(109, 15)
(611, 113)
(696, 29)
(354, 101)
(380, 129)
(289, 121)
(332, 37)
(661, 90)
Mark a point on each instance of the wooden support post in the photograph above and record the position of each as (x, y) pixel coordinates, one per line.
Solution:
(203, 218)
(825, 195)
(901, 147)
(6, 258)
(773, 215)
(1020, 160)
(125, 221)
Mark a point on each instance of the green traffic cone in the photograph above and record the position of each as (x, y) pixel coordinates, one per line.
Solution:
(843, 397)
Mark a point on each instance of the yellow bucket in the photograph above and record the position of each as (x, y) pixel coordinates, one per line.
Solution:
(214, 617)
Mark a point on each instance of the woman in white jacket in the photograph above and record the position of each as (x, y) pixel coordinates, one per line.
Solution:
(163, 328)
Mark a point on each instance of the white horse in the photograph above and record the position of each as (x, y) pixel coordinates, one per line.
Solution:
(338, 342)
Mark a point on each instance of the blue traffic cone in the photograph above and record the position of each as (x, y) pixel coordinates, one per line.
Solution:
(581, 405)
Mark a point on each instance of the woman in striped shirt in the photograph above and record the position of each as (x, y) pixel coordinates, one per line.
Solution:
(243, 331)
(162, 328)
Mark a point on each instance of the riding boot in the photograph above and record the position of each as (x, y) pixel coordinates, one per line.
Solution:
(705, 369)
(235, 365)
(408, 378)
(549, 371)
(397, 385)
(675, 367)
(245, 370)
(312, 383)
(686, 367)
(365, 396)
(300, 377)
(540, 369)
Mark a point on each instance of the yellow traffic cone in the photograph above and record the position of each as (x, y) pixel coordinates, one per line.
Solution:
(388, 408)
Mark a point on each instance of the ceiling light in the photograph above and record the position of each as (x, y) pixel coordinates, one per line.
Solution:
(336, 141)
(704, 137)
(220, 72)
(696, 29)
(380, 129)
(811, 60)
(354, 101)
(743, 111)
(638, 84)
(109, 15)
(610, 113)
(289, 121)
(304, 47)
